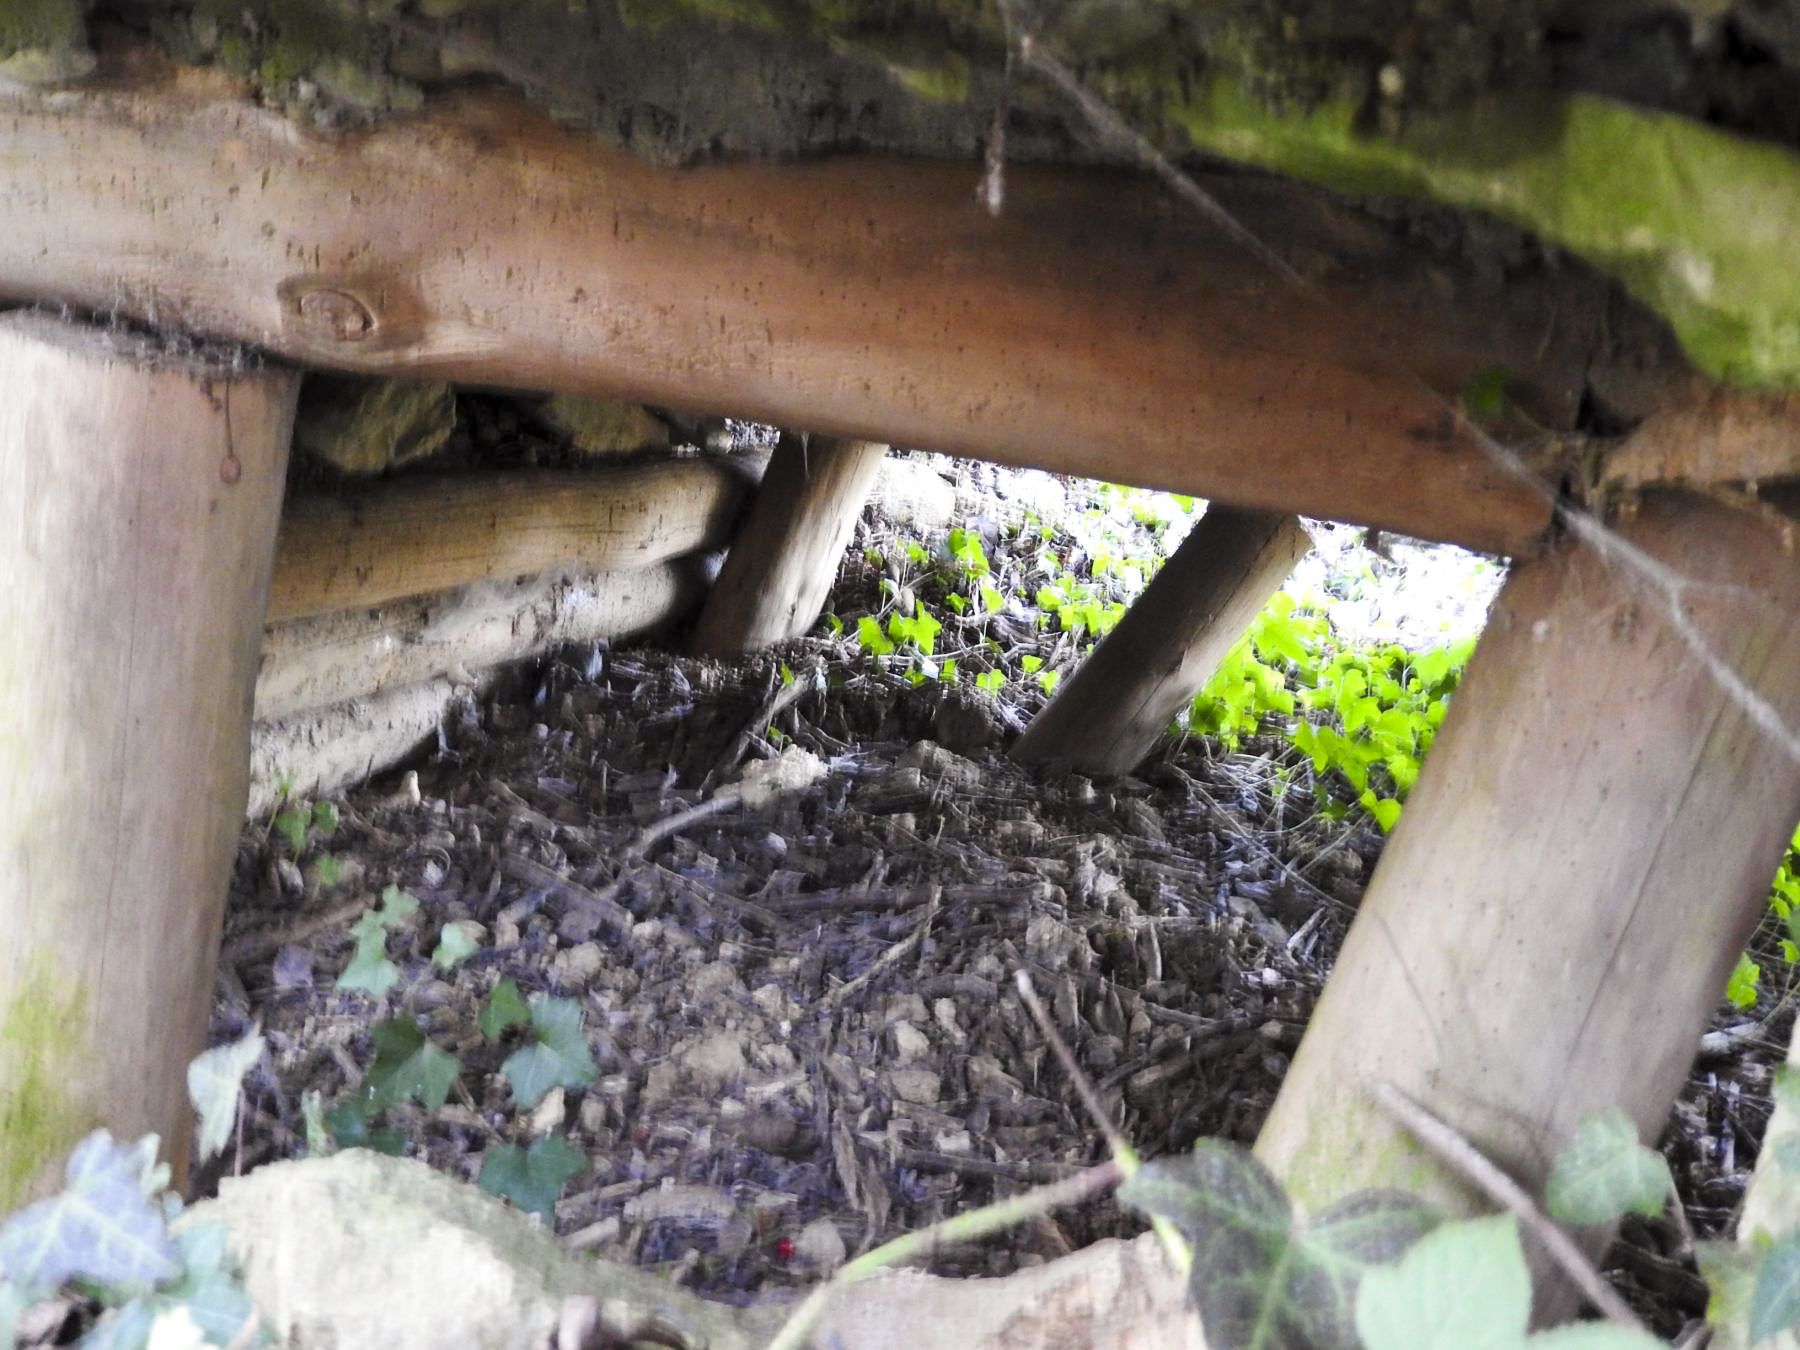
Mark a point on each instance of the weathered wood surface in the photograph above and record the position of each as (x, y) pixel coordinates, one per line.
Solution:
(315, 662)
(786, 553)
(408, 536)
(323, 749)
(1091, 328)
(1585, 855)
(1109, 713)
(139, 493)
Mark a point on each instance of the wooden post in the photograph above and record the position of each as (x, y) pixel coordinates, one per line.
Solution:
(781, 565)
(1109, 714)
(1581, 863)
(137, 526)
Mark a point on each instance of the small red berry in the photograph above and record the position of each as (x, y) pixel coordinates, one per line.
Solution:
(784, 1250)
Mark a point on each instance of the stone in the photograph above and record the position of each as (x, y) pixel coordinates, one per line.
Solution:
(363, 427)
(602, 426)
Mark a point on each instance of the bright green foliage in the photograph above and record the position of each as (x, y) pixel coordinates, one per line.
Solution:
(1740, 989)
(407, 1067)
(1606, 1173)
(557, 1056)
(1364, 715)
(531, 1177)
(213, 1082)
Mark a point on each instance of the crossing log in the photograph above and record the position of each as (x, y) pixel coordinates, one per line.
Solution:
(137, 527)
(1585, 854)
(1090, 328)
(785, 557)
(1108, 714)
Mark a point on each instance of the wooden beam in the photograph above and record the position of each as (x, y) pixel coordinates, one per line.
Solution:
(137, 528)
(329, 658)
(1093, 327)
(786, 554)
(408, 536)
(1105, 719)
(1584, 856)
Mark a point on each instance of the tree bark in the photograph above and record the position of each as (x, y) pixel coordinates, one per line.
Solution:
(1171, 640)
(137, 528)
(786, 554)
(1585, 855)
(1091, 328)
(410, 536)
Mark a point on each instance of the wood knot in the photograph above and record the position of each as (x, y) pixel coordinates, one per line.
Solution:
(329, 312)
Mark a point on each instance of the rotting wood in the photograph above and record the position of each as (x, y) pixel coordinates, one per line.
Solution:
(1729, 437)
(325, 749)
(142, 487)
(1105, 719)
(1574, 875)
(315, 662)
(786, 553)
(410, 536)
(1090, 328)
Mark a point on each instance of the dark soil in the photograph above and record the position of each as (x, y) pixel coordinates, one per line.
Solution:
(804, 1016)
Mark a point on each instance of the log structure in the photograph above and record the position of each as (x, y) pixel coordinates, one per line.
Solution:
(141, 489)
(785, 557)
(1089, 328)
(410, 536)
(1584, 857)
(1126, 693)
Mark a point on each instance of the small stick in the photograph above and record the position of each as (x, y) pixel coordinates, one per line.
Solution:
(1465, 1159)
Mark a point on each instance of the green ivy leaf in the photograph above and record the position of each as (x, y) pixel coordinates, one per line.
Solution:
(456, 944)
(369, 971)
(325, 818)
(102, 1228)
(872, 639)
(330, 870)
(1775, 1298)
(1386, 812)
(397, 906)
(407, 1066)
(532, 1178)
(1462, 1287)
(1261, 1280)
(557, 1057)
(505, 1007)
(990, 680)
(1605, 1173)
(1740, 989)
(213, 1082)
(293, 823)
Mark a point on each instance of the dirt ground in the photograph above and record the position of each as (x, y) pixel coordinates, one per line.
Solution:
(803, 1016)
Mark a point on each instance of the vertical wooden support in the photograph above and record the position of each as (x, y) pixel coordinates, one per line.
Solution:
(1109, 714)
(1584, 857)
(139, 494)
(781, 564)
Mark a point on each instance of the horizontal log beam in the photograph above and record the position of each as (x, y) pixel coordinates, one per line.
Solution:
(410, 536)
(1093, 327)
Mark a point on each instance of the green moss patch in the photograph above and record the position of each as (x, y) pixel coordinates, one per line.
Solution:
(40, 1039)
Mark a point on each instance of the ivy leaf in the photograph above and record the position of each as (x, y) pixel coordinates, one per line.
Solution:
(1386, 812)
(505, 1007)
(456, 944)
(1775, 1299)
(1740, 989)
(102, 1228)
(872, 639)
(369, 971)
(1605, 1173)
(557, 1057)
(325, 818)
(407, 1065)
(397, 906)
(531, 1177)
(213, 1082)
(1463, 1287)
(293, 823)
(1262, 1281)
(209, 1289)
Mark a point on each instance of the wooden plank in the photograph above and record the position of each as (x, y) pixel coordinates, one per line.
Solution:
(1584, 856)
(1110, 712)
(137, 528)
(782, 563)
(1091, 328)
(409, 536)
